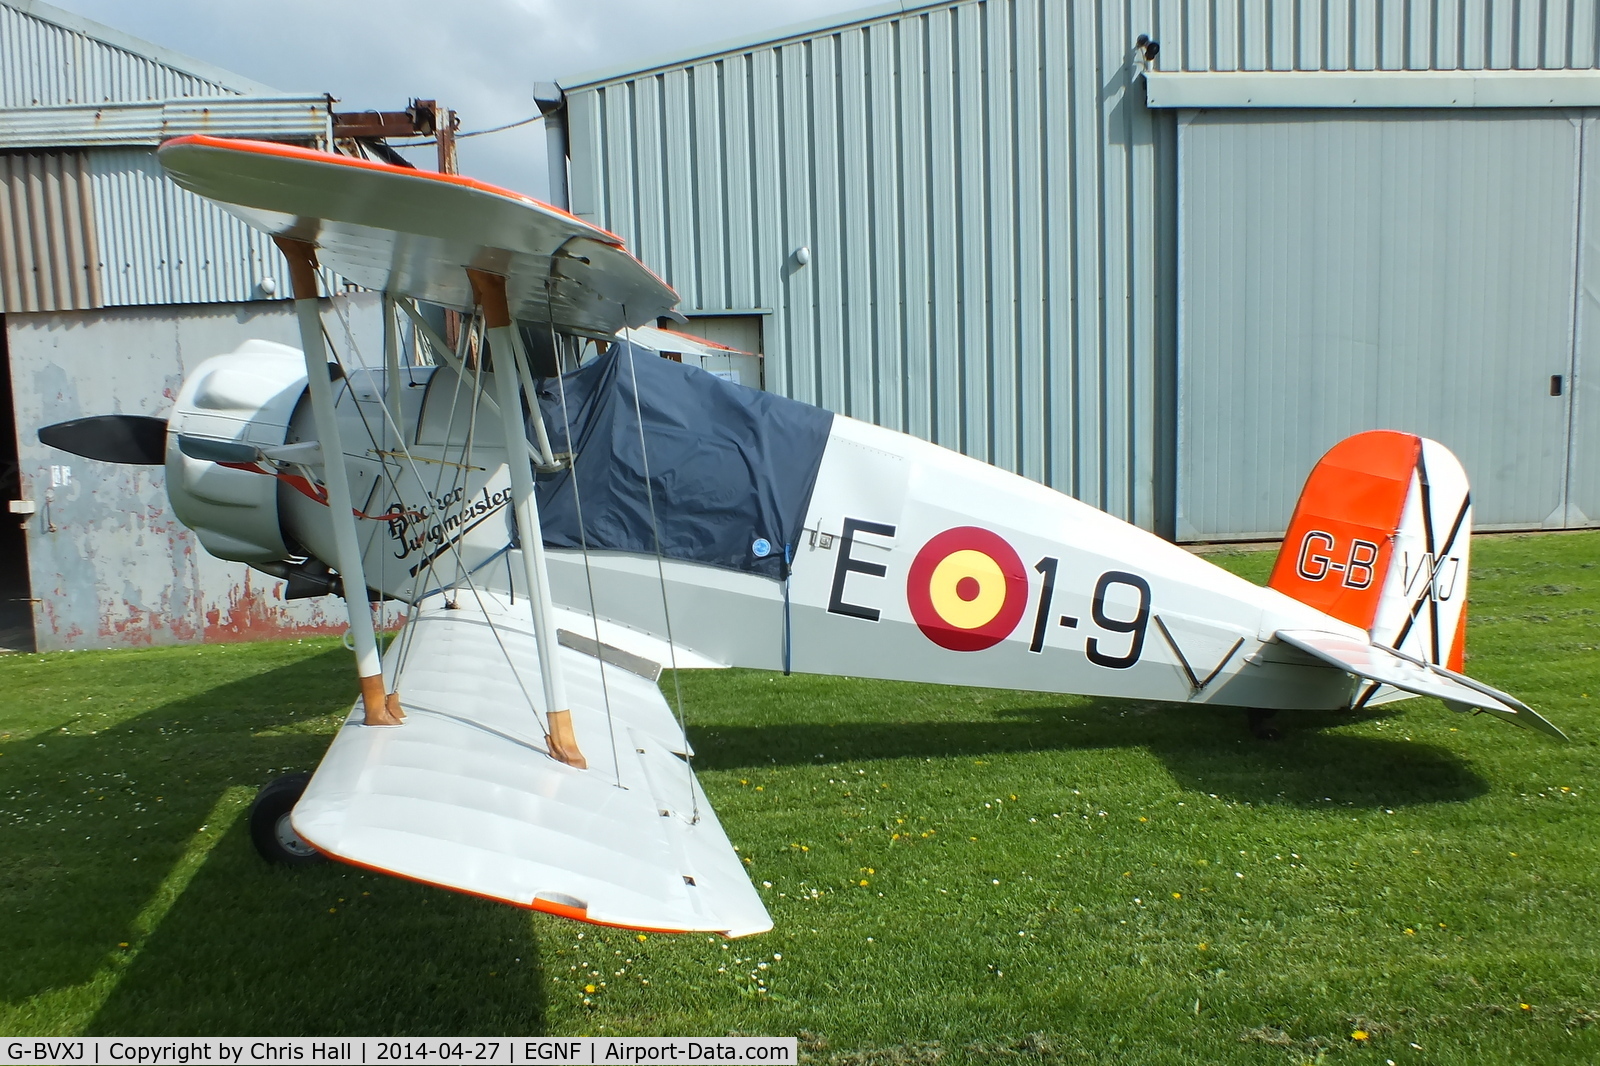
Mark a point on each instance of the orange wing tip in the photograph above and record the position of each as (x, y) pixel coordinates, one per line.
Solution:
(557, 905)
(312, 155)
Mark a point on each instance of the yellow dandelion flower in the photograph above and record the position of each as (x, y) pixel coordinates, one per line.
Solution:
(1359, 1034)
(589, 989)
(1202, 946)
(804, 848)
(760, 788)
(1411, 932)
(1142, 818)
(863, 882)
(1177, 895)
(1525, 1006)
(641, 938)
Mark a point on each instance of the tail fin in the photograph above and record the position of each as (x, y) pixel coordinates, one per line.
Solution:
(1380, 538)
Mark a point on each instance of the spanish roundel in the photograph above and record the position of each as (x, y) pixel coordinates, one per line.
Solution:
(967, 589)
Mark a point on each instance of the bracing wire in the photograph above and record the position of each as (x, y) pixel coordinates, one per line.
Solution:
(408, 634)
(661, 570)
(430, 576)
(451, 546)
(583, 542)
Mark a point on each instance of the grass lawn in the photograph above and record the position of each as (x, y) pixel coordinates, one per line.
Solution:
(956, 875)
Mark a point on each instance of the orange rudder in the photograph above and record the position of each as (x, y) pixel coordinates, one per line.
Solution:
(1340, 543)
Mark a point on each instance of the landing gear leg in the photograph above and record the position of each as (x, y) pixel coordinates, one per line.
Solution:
(1261, 726)
(270, 829)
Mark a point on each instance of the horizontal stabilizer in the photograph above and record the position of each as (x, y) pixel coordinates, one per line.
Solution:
(1386, 666)
(464, 794)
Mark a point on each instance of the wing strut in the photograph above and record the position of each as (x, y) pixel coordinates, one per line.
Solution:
(489, 290)
(381, 708)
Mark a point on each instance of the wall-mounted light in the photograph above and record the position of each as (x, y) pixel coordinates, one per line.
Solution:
(268, 286)
(802, 255)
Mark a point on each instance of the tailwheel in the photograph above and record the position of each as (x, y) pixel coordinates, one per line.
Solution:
(270, 829)
(1261, 726)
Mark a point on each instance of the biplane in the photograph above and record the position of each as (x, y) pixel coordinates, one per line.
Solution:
(565, 516)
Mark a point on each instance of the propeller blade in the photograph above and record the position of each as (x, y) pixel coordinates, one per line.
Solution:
(137, 440)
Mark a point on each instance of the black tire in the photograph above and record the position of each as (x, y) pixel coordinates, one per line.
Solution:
(1261, 726)
(270, 831)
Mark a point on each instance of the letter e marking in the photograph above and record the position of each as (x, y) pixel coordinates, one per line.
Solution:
(847, 565)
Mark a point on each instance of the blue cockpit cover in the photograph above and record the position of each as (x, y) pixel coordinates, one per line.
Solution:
(731, 467)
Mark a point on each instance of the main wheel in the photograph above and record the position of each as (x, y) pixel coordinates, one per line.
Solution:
(1261, 724)
(270, 830)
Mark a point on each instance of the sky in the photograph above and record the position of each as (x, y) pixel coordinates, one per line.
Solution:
(480, 57)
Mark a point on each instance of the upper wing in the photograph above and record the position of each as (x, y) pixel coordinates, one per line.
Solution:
(1386, 666)
(464, 795)
(414, 232)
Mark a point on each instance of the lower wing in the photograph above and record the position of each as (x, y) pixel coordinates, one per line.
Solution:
(464, 795)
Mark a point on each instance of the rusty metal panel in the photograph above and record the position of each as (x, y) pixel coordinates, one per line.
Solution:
(50, 57)
(48, 255)
(278, 118)
(109, 564)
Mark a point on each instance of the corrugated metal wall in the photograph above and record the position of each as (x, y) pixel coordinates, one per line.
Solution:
(48, 251)
(104, 227)
(989, 206)
(983, 273)
(43, 64)
(1376, 34)
(160, 244)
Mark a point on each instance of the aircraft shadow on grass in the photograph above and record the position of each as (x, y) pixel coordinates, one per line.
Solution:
(246, 948)
(1205, 749)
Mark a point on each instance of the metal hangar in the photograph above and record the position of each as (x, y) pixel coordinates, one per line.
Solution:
(1158, 254)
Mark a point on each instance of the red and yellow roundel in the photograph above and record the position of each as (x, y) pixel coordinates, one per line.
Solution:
(967, 589)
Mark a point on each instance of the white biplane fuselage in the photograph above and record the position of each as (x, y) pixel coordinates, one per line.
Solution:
(1062, 597)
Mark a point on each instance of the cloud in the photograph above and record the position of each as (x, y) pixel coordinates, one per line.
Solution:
(480, 58)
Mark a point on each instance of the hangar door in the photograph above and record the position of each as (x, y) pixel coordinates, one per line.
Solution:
(1380, 269)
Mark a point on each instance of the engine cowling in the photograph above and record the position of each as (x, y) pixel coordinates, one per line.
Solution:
(247, 396)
